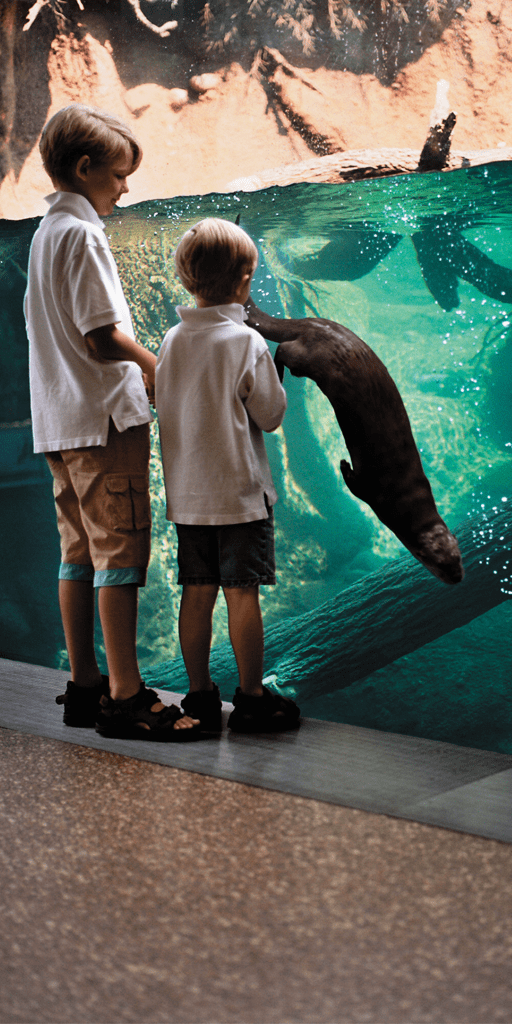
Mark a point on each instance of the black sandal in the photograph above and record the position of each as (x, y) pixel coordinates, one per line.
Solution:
(82, 703)
(133, 719)
(269, 713)
(207, 706)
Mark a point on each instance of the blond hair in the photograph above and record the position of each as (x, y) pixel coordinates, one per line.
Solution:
(78, 130)
(212, 258)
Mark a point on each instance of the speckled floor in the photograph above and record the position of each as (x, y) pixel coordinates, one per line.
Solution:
(141, 892)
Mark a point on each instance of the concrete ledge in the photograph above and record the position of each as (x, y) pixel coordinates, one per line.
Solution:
(407, 777)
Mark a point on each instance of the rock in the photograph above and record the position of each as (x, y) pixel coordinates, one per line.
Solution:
(178, 98)
(204, 83)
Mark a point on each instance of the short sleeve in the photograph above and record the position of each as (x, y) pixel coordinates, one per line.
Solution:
(91, 291)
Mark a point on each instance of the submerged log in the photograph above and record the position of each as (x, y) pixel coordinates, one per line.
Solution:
(356, 165)
(379, 619)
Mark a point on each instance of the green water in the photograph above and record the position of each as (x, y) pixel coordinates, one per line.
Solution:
(421, 268)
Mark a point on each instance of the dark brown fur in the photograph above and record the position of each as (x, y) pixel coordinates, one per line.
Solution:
(386, 469)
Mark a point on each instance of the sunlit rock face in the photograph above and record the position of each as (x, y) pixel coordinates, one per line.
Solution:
(325, 252)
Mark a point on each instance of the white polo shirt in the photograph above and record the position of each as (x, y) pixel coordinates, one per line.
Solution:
(216, 389)
(73, 287)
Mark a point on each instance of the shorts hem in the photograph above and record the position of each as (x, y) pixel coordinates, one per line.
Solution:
(198, 581)
(262, 581)
(69, 571)
(120, 577)
(203, 581)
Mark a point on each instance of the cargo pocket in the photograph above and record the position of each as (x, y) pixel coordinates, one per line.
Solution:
(128, 505)
(140, 501)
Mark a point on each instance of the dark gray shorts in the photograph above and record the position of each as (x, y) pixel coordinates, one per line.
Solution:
(235, 555)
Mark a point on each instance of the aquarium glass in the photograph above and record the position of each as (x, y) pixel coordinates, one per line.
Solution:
(420, 267)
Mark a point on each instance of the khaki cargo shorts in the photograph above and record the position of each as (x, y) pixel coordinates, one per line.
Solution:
(103, 508)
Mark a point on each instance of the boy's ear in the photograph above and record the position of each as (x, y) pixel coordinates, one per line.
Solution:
(245, 278)
(82, 167)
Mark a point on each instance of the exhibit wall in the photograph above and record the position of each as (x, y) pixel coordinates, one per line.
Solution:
(307, 122)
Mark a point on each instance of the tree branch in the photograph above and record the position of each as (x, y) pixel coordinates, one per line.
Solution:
(161, 30)
(38, 6)
(33, 12)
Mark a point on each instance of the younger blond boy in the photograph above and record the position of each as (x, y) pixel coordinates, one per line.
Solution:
(217, 389)
(91, 415)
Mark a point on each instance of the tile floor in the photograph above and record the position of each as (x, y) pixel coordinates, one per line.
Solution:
(301, 878)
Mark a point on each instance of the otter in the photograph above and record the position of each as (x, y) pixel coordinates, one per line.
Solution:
(386, 470)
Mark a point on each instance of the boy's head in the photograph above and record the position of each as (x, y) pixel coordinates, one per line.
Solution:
(90, 152)
(214, 259)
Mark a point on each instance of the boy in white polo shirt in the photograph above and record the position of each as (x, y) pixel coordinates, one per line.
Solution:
(217, 389)
(91, 416)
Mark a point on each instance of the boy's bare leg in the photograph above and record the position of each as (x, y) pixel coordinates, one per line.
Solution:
(118, 613)
(246, 635)
(195, 630)
(76, 600)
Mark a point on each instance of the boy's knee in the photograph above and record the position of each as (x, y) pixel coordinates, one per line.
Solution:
(201, 595)
(237, 597)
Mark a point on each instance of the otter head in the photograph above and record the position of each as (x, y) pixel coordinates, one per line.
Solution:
(439, 552)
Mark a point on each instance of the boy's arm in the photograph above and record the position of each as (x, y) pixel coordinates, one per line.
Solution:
(109, 342)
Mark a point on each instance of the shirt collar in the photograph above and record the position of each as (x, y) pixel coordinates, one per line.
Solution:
(73, 202)
(210, 315)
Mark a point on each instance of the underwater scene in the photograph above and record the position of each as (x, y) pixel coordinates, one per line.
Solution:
(420, 267)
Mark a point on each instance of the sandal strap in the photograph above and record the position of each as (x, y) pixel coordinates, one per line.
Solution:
(164, 719)
(152, 694)
(269, 704)
(269, 713)
(82, 696)
(138, 709)
(201, 700)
